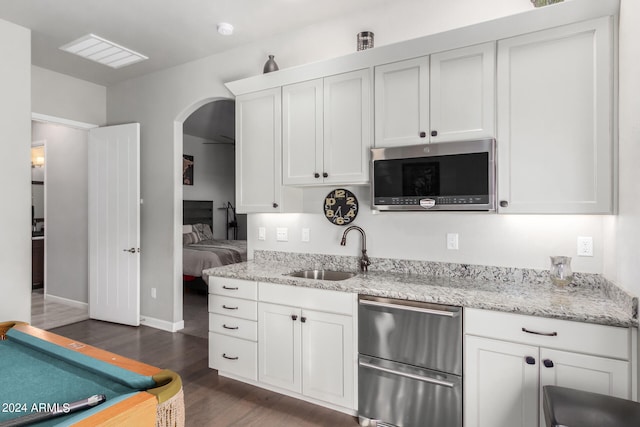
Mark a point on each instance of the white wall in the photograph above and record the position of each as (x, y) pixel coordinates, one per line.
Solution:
(524, 241)
(15, 172)
(213, 178)
(157, 100)
(624, 268)
(66, 97)
(66, 202)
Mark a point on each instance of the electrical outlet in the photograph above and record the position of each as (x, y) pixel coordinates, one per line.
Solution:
(282, 234)
(452, 241)
(262, 233)
(153, 293)
(305, 235)
(585, 246)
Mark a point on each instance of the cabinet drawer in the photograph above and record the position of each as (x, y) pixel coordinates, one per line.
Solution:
(233, 326)
(310, 298)
(235, 307)
(579, 337)
(233, 355)
(233, 287)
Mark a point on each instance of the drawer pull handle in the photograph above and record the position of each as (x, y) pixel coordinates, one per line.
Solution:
(407, 375)
(548, 363)
(294, 317)
(229, 308)
(454, 313)
(530, 360)
(303, 319)
(546, 334)
(230, 327)
(228, 288)
(229, 357)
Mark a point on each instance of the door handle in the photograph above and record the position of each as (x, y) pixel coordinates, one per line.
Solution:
(132, 250)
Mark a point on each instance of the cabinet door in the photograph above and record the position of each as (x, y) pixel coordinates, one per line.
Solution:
(328, 357)
(258, 146)
(302, 139)
(501, 388)
(279, 346)
(347, 127)
(463, 93)
(402, 103)
(554, 137)
(589, 373)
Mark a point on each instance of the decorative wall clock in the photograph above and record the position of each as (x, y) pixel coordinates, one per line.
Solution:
(340, 206)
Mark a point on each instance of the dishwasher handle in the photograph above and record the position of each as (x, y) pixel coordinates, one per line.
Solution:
(408, 375)
(411, 308)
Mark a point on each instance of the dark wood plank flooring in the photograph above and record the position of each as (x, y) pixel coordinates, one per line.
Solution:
(210, 400)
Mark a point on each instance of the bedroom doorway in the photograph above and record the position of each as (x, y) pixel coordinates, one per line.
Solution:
(208, 198)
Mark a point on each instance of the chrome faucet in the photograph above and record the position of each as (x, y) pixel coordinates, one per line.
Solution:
(364, 259)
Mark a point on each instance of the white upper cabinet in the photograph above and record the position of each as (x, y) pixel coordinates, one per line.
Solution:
(258, 154)
(463, 93)
(402, 103)
(327, 130)
(554, 142)
(302, 142)
(447, 96)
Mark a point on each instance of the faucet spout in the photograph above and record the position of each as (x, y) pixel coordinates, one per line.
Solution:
(364, 259)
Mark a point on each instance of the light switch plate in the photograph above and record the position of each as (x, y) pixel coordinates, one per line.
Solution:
(282, 234)
(305, 235)
(262, 233)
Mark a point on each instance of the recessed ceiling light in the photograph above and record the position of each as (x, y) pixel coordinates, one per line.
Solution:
(225, 28)
(103, 51)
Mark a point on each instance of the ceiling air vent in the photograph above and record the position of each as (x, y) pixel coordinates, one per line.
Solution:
(103, 51)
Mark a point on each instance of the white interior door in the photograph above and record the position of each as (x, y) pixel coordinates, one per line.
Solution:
(114, 224)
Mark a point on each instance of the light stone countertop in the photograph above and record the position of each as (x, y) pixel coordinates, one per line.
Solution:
(590, 301)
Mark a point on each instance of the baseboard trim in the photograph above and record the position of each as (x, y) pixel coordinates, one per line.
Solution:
(161, 324)
(66, 301)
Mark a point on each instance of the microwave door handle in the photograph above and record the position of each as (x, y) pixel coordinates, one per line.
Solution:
(408, 375)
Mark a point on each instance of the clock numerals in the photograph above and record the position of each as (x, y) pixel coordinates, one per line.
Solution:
(340, 206)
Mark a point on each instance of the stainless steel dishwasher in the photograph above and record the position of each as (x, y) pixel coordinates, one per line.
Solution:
(410, 363)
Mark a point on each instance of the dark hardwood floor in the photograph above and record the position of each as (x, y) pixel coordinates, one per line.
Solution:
(210, 400)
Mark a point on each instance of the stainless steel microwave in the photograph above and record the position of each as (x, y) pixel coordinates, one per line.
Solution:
(449, 176)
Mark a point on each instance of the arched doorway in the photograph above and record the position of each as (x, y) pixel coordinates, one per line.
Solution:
(206, 151)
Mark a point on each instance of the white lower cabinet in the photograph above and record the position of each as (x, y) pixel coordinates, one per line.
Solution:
(233, 327)
(510, 357)
(306, 351)
(303, 349)
(297, 341)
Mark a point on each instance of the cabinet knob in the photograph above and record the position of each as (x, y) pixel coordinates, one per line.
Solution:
(504, 204)
(294, 317)
(548, 363)
(530, 360)
(303, 319)
(316, 175)
(275, 205)
(434, 133)
(324, 174)
(423, 134)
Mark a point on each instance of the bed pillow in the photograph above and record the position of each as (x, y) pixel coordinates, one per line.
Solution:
(187, 228)
(204, 231)
(190, 238)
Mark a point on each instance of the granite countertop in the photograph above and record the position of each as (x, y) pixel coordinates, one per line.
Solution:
(591, 300)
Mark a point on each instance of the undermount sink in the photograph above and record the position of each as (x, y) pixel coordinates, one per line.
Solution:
(322, 274)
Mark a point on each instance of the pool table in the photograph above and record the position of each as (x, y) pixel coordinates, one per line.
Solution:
(40, 370)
